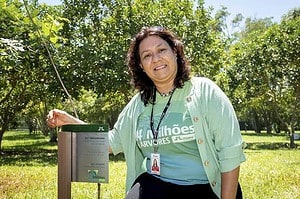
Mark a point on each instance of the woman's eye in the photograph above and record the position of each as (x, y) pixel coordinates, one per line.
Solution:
(146, 56)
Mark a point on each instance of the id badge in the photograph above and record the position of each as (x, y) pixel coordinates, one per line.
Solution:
(155, 163)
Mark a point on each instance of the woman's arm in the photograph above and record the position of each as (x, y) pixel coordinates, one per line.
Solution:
(230, 183)
(56, 118)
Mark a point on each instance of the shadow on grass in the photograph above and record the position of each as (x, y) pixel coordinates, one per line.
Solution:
(22, 135)
(34, 151)
(23, 149)
(38, 157)
(116, 158)
(268, 146)
(39, 153)
(264, 134)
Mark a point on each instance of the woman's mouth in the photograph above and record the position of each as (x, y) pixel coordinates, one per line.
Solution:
(160, 67)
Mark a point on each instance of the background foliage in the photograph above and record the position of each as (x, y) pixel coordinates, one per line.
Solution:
(72, 57)
(83, 45)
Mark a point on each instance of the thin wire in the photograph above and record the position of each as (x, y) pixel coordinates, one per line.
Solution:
(51, 58)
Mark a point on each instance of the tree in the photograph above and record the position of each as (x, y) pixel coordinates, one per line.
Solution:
(24, 67)
(268, 71)
(284, 65)
(98, 35)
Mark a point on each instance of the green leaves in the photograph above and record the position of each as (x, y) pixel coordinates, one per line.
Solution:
(268, 68)
(257, 67)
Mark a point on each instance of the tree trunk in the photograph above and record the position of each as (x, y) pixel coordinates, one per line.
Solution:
(269, 129)
(256, 122)
(53, 135)
(1, 136)
(291, 130)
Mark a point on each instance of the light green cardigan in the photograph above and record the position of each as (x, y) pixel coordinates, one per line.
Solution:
(217, 132)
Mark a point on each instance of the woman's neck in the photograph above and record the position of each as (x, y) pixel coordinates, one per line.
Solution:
(165, 90)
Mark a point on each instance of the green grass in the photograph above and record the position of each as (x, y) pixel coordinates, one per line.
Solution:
(29, 169)
(272, 170)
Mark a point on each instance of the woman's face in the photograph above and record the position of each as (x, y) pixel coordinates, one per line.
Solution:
(158, 60)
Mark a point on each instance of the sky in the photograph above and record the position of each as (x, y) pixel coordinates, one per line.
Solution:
(256, 8)
(248, 8)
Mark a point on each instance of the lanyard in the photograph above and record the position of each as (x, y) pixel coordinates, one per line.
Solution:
(155, 131)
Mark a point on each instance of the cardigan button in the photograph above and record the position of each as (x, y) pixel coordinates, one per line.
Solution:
(213, 183)
(195, 119)
(189, 99)
(200, 141)
(206, 163)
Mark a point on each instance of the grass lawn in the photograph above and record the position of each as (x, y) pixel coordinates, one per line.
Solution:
(28, 170)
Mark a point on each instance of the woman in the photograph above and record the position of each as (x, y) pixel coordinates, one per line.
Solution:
(155, 167)
(186, 123)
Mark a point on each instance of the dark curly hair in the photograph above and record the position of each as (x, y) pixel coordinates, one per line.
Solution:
(139, 79)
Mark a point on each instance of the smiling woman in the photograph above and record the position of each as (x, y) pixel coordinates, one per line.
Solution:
(159, 63)
(192, 125)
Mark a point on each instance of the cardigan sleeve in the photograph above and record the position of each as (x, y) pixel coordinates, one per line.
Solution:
(122, 132)
(122, 139)
(224, 128)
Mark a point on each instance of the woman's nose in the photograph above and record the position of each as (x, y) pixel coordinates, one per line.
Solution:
(156, 57)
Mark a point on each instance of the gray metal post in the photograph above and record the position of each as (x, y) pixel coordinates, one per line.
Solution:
(64, 165)
(99, 193)
(82, 156)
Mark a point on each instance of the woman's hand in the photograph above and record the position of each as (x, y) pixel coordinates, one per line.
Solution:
(58, 117)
